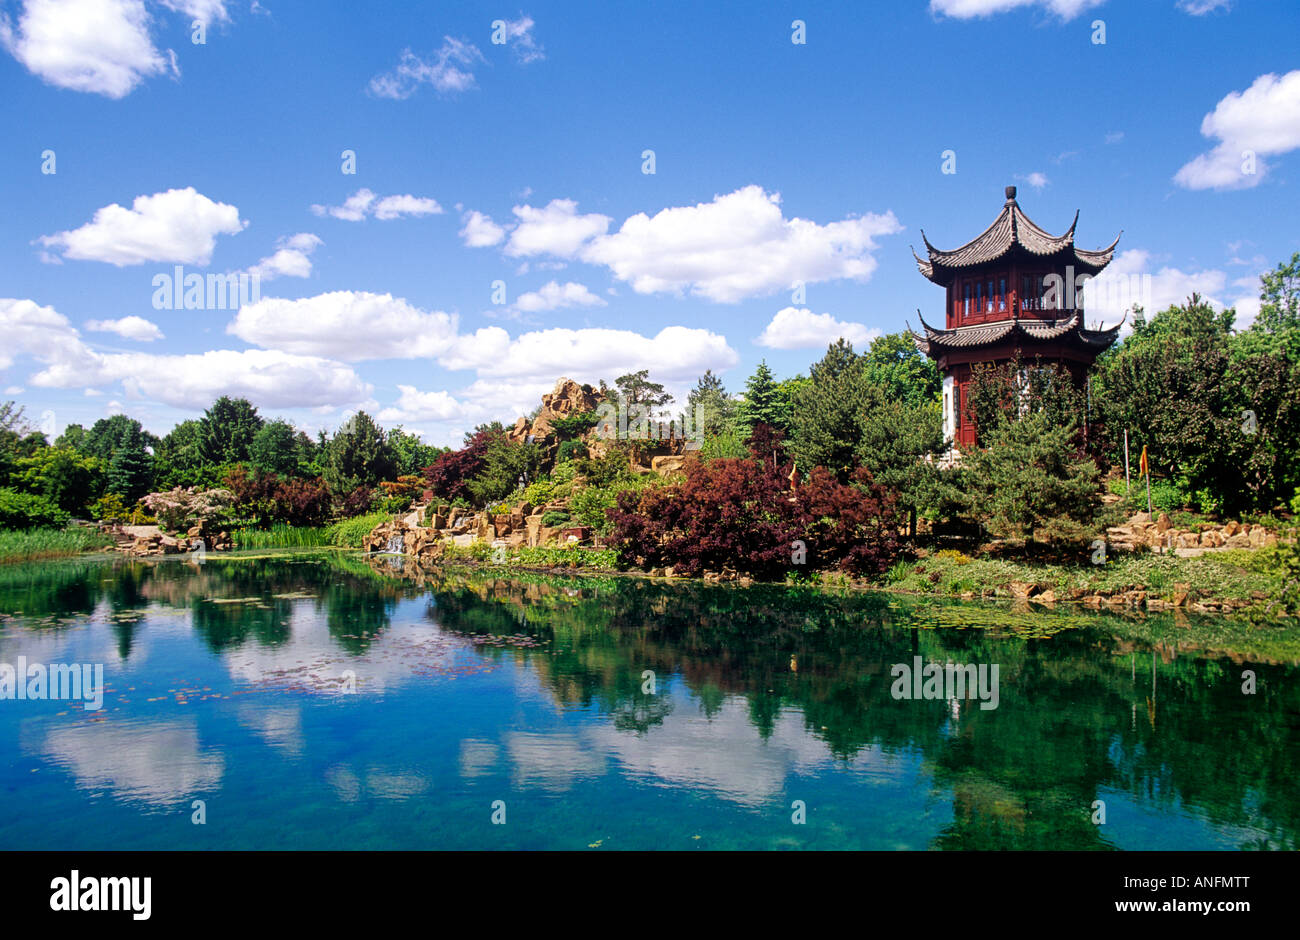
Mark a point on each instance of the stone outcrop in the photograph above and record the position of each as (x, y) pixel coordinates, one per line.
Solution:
(568, 399)
(1159, 535)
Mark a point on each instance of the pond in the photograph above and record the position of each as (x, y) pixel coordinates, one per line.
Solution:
(329, 701)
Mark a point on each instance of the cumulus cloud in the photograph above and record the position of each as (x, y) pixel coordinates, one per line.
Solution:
(350, 326)
(556, 229)
(271, 378)
(179, 225)
(364, 203)
(970, 9)
(1035, 179)
(136, 328)
(415, 405)
(553, 295)
(97, 46)
(1262, 121)
(480, 231)
(1132, 278)
(800, 328)
(292, 258)
(737, 246)
(447, 70)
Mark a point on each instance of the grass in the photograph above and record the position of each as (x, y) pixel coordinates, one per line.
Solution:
(35, 544)
(538, 557)
(1231, 575)
(282, 536)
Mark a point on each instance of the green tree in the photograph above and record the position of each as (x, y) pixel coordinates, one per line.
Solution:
(762, 402)
(901, 371)
(359, 455)
(637, 388)
(1279, 307)
(410, 453)
(1029, 481)
(71, 480)
(507, 466)
(829, 411)
(274, 448)
(130, 471)
(710, 404)
(178, 460)
(107, 434)
(227, 429)
(897, 436)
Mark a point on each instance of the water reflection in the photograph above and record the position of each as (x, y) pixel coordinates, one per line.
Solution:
(758, 693)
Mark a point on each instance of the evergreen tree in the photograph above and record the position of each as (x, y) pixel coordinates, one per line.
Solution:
(227, 430)
(359, 455)
(637, 388)
(901, 371)
(827, 419)
(762, 402)
(130, 471)
(711, 405)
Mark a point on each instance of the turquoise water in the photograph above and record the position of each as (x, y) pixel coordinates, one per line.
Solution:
(319, 702)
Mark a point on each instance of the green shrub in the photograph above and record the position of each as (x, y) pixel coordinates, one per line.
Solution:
(29, 511)
(571, 450)
(351, 533)
(554, 518)
(539, 493)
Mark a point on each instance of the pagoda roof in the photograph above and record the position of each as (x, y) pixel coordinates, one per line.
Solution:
(935, 342)
(1012, 230)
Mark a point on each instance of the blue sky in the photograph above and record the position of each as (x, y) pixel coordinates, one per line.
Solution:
(522, 162)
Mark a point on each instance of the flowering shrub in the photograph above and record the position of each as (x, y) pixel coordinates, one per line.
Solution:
(184, 506)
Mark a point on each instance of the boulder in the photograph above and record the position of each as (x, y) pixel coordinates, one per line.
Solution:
(1163, 523)
(669, 464)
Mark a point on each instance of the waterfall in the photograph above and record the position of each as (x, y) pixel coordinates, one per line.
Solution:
(394, 546)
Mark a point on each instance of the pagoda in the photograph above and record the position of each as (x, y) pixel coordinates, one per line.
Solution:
(1012, 290)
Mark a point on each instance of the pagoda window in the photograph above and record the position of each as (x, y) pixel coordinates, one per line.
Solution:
(1002, 294)
(966, 301)
(979, 296)
(988, 296)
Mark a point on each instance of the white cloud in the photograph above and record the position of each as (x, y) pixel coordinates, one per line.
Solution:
(1262, 121)
(1129, 280)
(557, 229)
(480, 231)
(350, 326)
(179, 225)
(292, 258)
(552, 296)
(737, 246)
(447, 70)
(364, 202)
(518, 35)
(800, 328)
(205, 11)
(136, 328)
(676, 352)
(969, 9)
(1035, 179)
(97, 46)
(1202, 7)
(415, 405)
(269, 378)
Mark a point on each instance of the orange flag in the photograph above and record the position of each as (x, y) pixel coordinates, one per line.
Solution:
(1142, 462)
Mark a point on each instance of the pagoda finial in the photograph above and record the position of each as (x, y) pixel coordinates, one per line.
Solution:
(1011, 194)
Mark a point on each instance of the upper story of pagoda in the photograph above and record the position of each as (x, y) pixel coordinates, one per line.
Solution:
(1006, 272)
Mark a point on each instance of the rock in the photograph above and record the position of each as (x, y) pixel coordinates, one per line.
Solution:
(569, 398)
(1092, 600)
(1188, 540)
(666, 465)
(1211, 538)
(1163, 523)
(670, 571)
(1141, 517)
(413, 518)
(1240, 540)
(1257, 536)
(656, 572)
(1270, 541)
(1021, 589)
(1046, 597)
(1230, 529)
